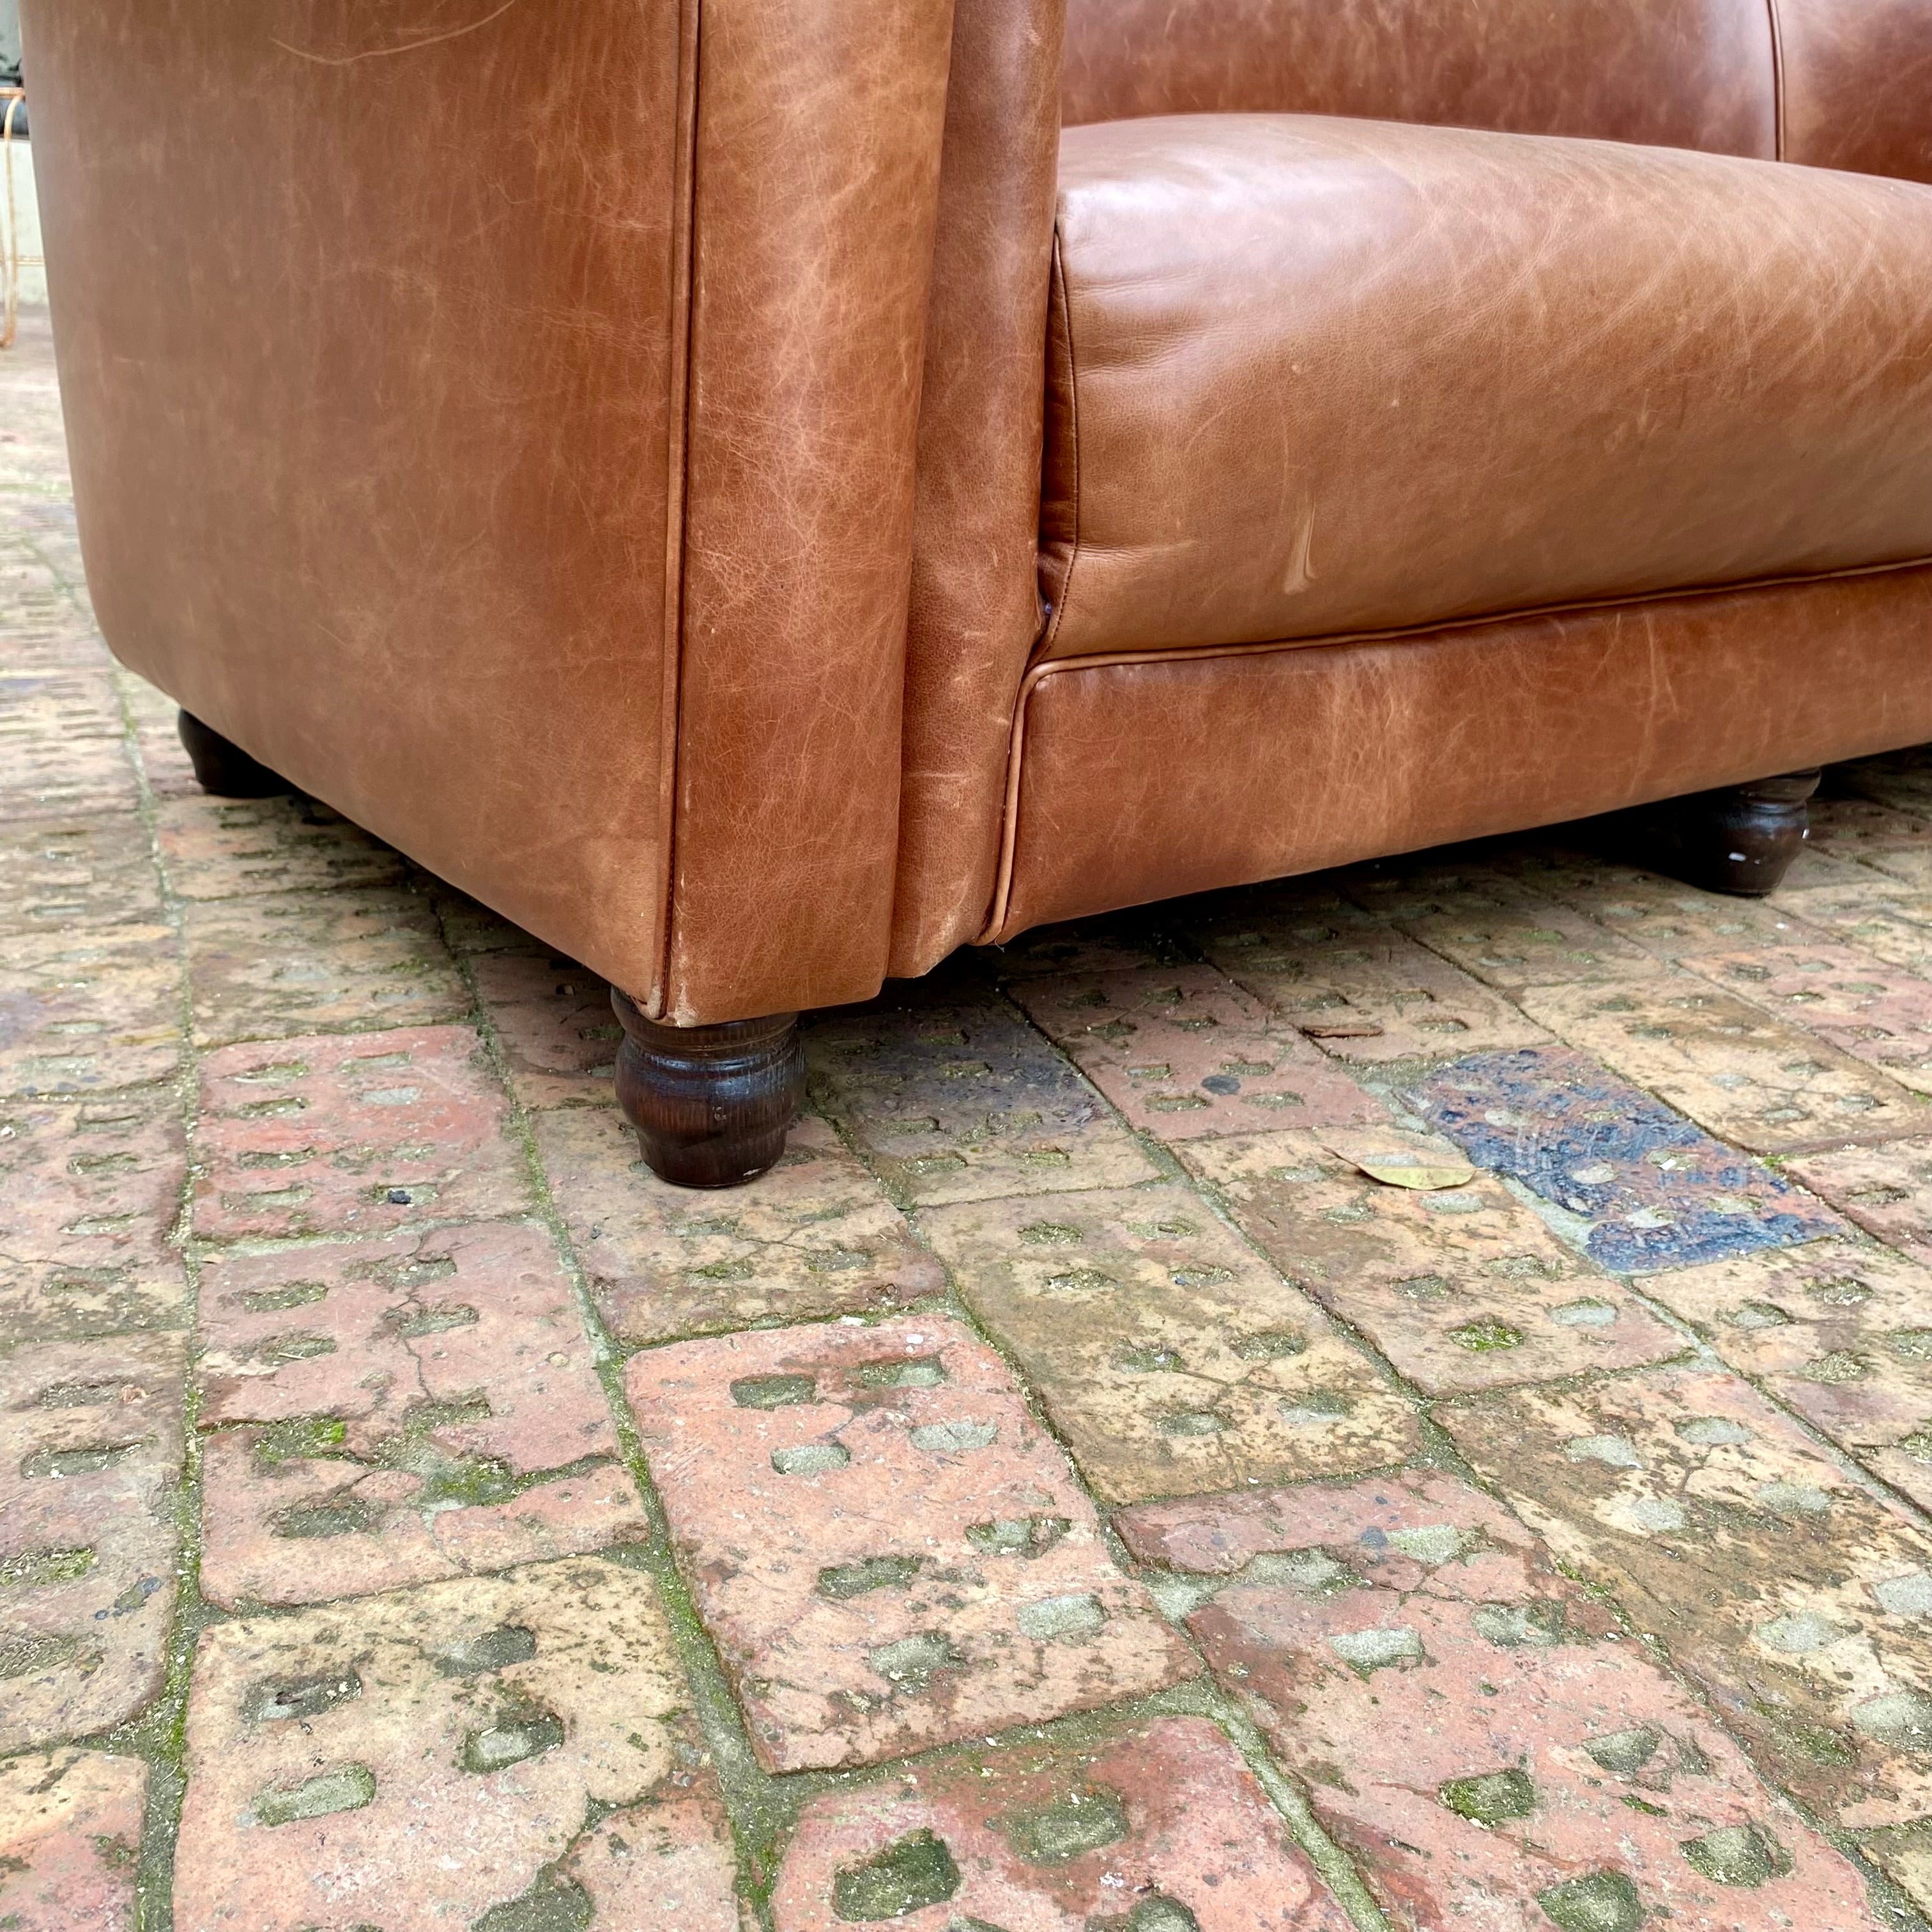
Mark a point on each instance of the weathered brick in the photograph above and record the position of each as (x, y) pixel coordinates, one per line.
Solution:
(1183, 1052)
(90, 1458)
(89, 1190)
(73, 874)
(1887, 1190)
(69, 1835)
(89, 1012)
(1884, 917)
(1647, 1189)
(157, 739)
(1533, 942)
(286, 1519)
(46, 631)
(1841, 1331)
(62, 750)
(425, 1760)
(1461, 1289)
(1416, 885)
(816, 1236)
(89, 1181)
(1895, 843)
(1901, 779)
(221, 848)
(400, 1411)
(888, 1552)
(1144, 1828)
(965, 1102)
(1670, 919)
(360, 1133)
(1748, 1077)
(1476, 1730)
(1875, 1012)
(470, 927)
(1139, 937)
(1788, 1592)
(282, 964)
(553, 1020)
(1171, 1358)
(1359, 990)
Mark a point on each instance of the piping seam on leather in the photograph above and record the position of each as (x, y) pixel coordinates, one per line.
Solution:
(1777, 80)
(677, 525)
(1009, 828)
(1108, 661)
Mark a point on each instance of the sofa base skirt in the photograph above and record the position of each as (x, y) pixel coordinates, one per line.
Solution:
(1147, 777)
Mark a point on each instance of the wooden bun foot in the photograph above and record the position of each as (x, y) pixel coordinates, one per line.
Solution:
(712, 1105)
(224, 769)
(1741, 840)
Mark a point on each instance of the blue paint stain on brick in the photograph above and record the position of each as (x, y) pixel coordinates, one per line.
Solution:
(1657, 1192)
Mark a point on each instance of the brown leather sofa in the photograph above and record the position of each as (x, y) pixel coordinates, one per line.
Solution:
(764, 492)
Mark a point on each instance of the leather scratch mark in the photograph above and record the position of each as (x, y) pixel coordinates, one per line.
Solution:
(1300, 566)
(407, 46)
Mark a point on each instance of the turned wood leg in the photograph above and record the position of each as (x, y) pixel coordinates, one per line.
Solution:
(1742, 839)
(223, 769)
(712, 1105)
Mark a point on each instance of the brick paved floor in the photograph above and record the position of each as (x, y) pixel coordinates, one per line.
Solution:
(1399, 1399)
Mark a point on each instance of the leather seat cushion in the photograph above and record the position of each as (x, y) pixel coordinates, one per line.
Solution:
(1311, 377)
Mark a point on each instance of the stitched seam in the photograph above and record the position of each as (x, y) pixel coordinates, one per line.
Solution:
(1777, 78)
(677, 519)
(1051, 667)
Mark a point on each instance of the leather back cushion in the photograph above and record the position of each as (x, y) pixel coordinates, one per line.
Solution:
(1858, 85)
(1680, 73)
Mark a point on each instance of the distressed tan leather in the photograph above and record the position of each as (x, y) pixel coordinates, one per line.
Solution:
(511, 439)
(820, 123)
(975, 595)
(1857, 85)
(1312, 375)
(1149, 779)
(600, 447)
(1684, 73)
(373, 472)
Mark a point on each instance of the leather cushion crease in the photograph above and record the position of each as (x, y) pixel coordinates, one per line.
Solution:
(1311, 375)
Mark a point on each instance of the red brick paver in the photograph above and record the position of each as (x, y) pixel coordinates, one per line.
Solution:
(1183, 1052)
(889, 1551)
(818, 1236)
(1477, 1729)
(421, 1760)
(90, 1456)
(1460, 1287)
(399, 1411)
(1786, 1588)
(69, 1833)
(353, 1134)
(1155, 1826)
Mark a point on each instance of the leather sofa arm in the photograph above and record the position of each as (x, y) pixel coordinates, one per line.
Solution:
(500, 420)
(1855, 85)
(820, 125)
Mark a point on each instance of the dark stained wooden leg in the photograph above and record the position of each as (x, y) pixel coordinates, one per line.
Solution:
(1740, 840)
(712, 1105)
(225, 769)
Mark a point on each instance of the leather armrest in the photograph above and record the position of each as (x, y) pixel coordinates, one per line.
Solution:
(820, 129)
(501, 422)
